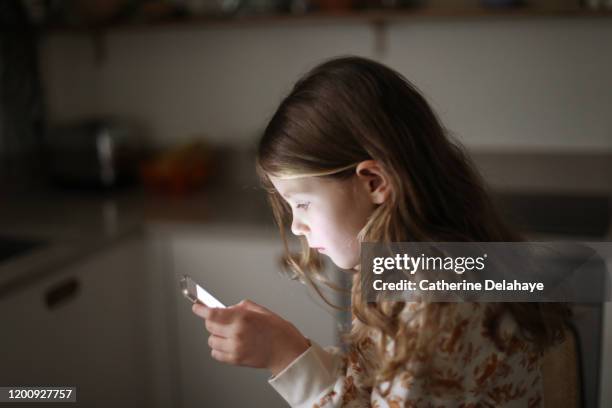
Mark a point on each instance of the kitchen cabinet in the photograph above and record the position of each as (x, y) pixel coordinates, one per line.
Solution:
(233, 265)
(606, 359)
(82, 326)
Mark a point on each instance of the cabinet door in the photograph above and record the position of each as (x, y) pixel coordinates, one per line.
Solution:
(234, 266)
(80, 327)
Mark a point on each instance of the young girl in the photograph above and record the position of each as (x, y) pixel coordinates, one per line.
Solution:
(355, 154)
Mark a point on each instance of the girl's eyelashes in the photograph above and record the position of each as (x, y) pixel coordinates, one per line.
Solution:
(302, 206)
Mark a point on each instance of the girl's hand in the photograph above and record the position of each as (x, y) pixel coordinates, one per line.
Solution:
(248, 334)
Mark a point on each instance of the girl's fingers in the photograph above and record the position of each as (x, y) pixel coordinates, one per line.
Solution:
(225, 322)
(249, 304)
(216, 314)
(200, 310)
(221, 330)
(223, 357)
(212, 326)
(219, 343)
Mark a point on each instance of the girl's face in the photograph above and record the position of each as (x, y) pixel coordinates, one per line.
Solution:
(328, 213)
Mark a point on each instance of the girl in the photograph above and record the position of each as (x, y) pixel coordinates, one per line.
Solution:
(353, 154)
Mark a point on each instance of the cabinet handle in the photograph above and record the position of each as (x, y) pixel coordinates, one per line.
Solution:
(61, 293)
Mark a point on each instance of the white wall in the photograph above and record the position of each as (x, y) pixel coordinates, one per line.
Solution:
(537, 83)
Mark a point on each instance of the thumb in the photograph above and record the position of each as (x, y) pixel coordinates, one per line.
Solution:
(249, 304)
(200, 310)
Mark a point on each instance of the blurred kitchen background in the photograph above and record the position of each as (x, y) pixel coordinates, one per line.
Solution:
(127, 137)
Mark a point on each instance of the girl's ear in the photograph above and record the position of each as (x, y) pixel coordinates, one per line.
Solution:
(375, 180)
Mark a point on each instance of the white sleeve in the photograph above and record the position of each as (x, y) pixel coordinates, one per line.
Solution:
(317, 377)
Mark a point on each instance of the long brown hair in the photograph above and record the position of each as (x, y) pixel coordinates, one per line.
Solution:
(351, 109)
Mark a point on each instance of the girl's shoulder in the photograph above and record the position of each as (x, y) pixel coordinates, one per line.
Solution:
(471, 355)
(461, 319)
(466, 363)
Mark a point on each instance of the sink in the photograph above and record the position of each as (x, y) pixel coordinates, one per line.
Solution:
(11, 247)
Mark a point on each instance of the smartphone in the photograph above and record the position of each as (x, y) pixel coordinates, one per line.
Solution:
(196, 294)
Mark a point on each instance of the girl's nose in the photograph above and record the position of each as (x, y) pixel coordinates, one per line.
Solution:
(298, 227)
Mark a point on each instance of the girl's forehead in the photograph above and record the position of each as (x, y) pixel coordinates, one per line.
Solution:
(293, 186)
(310, 186)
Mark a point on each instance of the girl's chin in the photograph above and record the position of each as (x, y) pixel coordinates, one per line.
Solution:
(342, 263)
(347, 266)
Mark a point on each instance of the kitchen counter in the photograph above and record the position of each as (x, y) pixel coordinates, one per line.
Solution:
(73, 225)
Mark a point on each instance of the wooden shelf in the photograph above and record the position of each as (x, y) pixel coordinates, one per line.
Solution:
(381, 16)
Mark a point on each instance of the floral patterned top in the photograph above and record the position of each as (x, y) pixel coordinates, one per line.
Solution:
(468, 369)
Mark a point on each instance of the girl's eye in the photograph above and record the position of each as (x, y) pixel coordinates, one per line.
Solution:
(302, 206)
